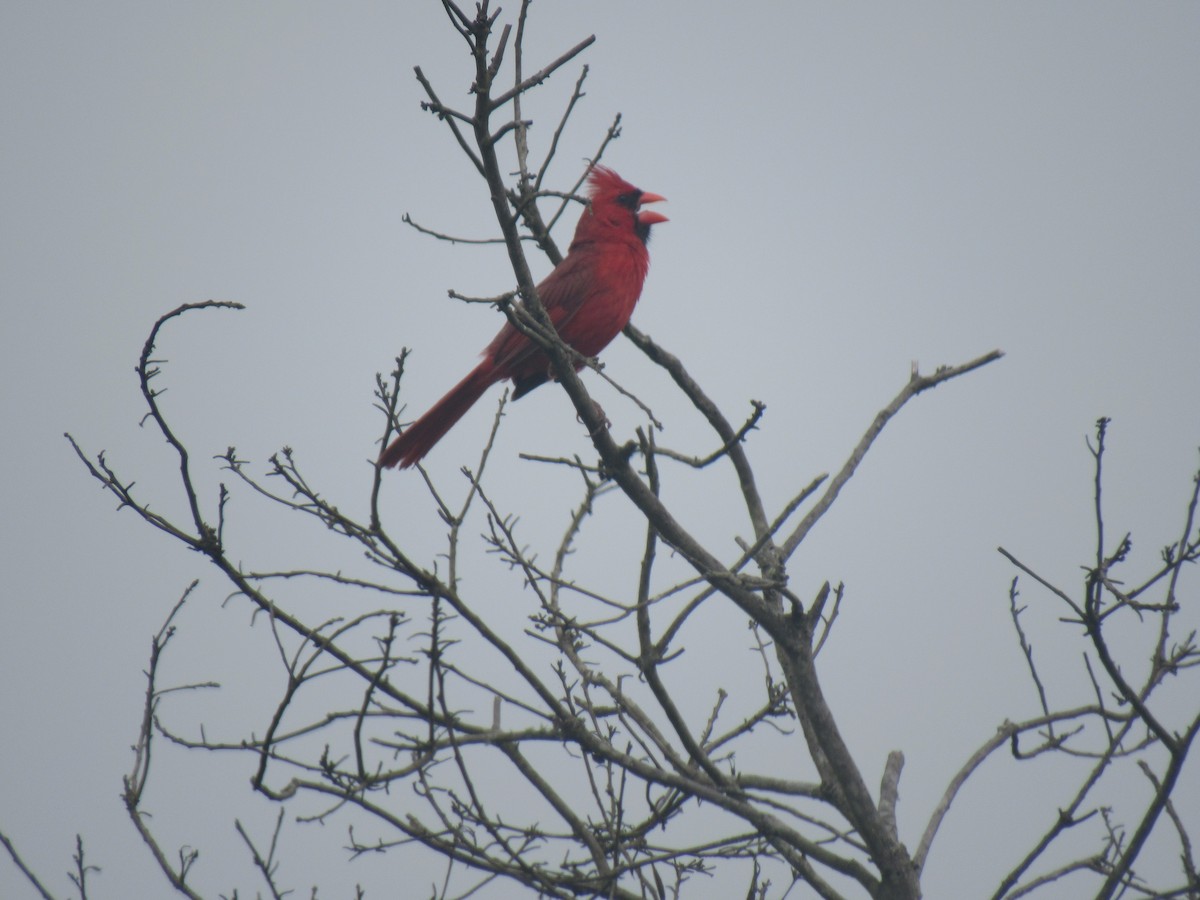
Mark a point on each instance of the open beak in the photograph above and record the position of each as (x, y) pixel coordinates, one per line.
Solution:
(648, 216)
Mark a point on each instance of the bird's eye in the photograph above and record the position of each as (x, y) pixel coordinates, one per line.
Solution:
(630, 199)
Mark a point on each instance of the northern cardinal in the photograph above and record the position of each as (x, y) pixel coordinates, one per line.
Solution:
(589, 297)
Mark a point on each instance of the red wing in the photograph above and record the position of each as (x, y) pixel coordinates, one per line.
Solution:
(563, 293)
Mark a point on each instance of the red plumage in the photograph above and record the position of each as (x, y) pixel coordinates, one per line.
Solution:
(589, 297)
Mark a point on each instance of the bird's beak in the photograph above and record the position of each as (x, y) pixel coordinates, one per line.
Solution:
(650, 217)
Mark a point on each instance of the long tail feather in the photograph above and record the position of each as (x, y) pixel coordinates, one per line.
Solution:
(418, 438)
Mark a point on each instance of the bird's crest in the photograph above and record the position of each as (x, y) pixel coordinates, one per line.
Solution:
(603, 182)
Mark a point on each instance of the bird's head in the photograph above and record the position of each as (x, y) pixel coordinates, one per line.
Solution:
(615, 203)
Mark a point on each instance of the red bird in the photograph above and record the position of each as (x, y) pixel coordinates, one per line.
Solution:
(589, 297)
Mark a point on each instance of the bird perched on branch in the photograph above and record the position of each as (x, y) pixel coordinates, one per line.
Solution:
(589, 297)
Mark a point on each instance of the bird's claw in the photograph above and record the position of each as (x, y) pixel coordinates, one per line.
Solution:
(598, 410)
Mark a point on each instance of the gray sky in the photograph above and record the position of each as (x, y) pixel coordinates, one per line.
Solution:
(851, 189)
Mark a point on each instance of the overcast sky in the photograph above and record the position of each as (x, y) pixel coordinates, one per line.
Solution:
(851, 189)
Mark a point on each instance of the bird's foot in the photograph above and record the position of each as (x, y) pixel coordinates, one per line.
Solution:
(599, 412)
